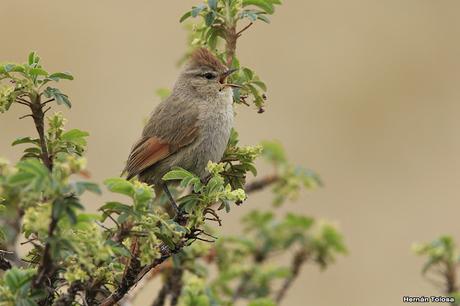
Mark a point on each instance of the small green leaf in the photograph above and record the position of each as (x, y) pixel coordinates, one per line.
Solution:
(38, 71)
(58, 96)
(81, 187)
(75, 136)
(209, 18)
(268, 7)
(185, 16)
(32, 57)
(177, 174)
(197, 10)
(61, 75)
(119, 185)
(24, 140)
(212, 4)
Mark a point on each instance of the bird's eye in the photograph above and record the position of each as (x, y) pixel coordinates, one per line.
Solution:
(209, 76)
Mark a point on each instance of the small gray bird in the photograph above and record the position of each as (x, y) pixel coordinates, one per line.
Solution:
(189, 128)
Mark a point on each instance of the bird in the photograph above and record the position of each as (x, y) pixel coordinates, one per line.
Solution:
(189, 128)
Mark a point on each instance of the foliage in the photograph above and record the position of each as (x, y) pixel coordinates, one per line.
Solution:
(75, 258)
(441, 267)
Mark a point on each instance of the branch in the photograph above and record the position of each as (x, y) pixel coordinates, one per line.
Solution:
(69, 297)
(261, 183)
(47, 101)
(176, 285)
(259, 258)
(244, 29)
(38, 115)
(231, 38)
(135, 272)
(46, 268)
(451, 279)
(299, 259)
(172, 286)
(162, 295)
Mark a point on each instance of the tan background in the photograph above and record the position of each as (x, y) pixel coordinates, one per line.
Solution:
(365, 92)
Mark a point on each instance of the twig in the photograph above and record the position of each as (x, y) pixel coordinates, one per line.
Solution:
(299, 259)
(244, 29)
(22, 101)
(38, 116)
(47, 101)
(25, 116)
(136, 272)
(261, 183)
(69, 296)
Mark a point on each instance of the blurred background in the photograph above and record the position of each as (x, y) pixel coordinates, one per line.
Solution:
(367, 93)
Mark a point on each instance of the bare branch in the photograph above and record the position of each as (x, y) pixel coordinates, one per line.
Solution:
(48, 101)
(244, 29)
(261, 183)
(299, 259)
(25, 116)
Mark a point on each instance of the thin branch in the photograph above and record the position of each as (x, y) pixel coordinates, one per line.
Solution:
(25, 116)
(22, 101)
(451, 279)
(69, 297)
(48, 101)
(261, 183)
(244, 29)
(299, 259)
(47, 267)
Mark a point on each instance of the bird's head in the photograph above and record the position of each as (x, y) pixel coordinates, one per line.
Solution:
(205, 73)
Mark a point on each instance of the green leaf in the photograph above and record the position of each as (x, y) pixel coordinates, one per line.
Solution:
(120, 185)
(24, 140)
(38, 71)
(260, 84)
(197, 10)
(115, 207)
(177, 174)
(263, 18)
(75, 136)
(31, 174)
(273, 151)
(58, 96)
(61, 75)
(250, 14)
(212, 4)
(32, 57)
(265, 5)
(81, 187)
(209, 18)
(185, 16)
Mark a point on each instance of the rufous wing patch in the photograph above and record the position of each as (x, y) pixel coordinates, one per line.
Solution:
(145, 153)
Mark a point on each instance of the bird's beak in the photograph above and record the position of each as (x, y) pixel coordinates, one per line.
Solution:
(225, 75)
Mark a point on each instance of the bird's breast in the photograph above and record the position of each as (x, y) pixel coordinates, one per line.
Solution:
(215, 126)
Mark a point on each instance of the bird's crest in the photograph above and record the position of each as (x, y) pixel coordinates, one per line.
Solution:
(204, 57)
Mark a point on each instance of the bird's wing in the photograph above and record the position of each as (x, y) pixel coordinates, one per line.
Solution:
(171, 127)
